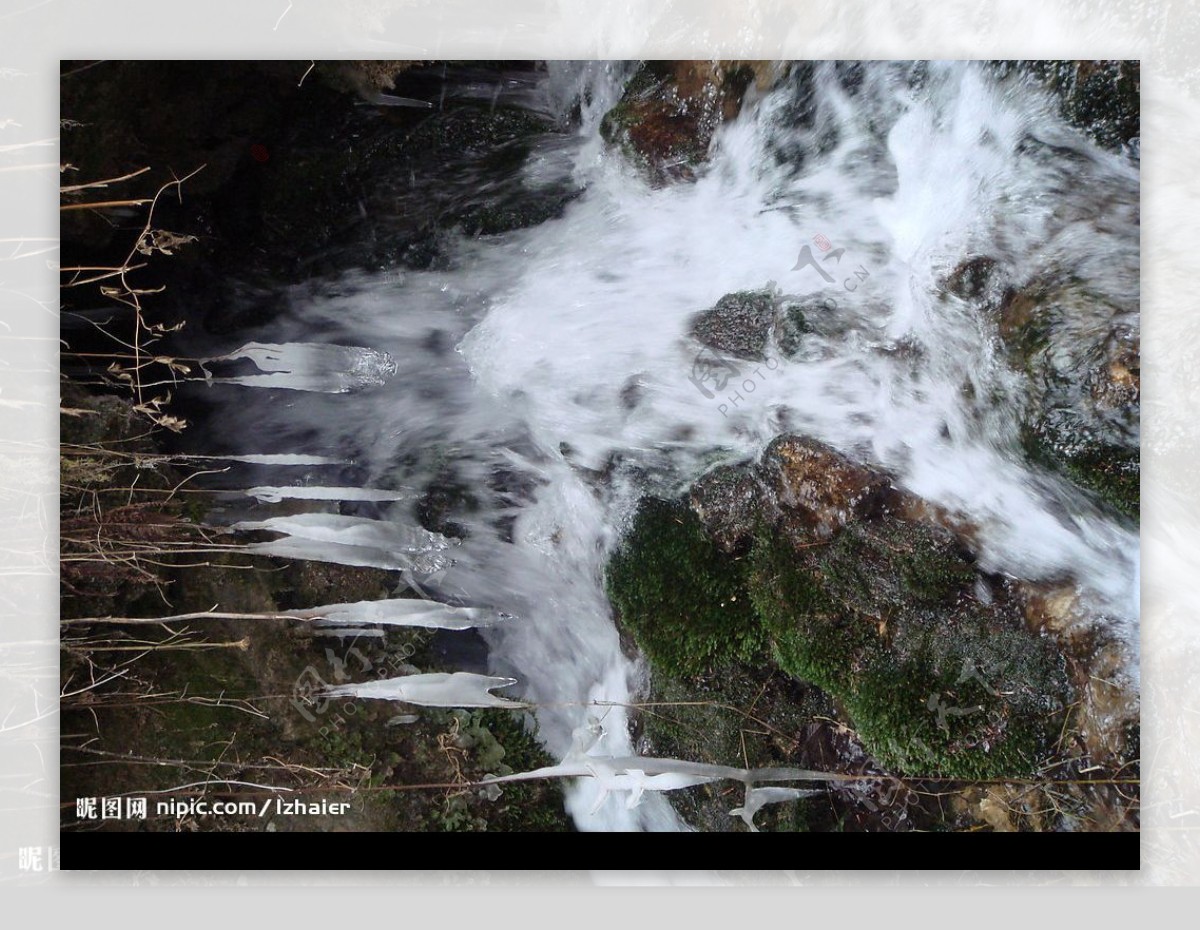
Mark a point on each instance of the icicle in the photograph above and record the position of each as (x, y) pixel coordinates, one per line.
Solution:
(615, 774)
(391, 100)
(639, 774)
(457, 689)
(359, 556)
(637, 782)
(657, 766)
(351, 531)
(273, 495)
(758, 798)
(310, 366)
(352, 541)
(281, 458)
(402, 612)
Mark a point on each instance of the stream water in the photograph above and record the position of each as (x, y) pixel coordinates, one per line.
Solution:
(545, 378)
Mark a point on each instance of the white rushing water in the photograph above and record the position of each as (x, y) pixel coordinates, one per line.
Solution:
(551, 370)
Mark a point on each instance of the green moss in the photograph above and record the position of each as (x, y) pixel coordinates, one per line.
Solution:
(683, 600)
(813, 636)
(883, 618)
(934, 682)
(1111, 472)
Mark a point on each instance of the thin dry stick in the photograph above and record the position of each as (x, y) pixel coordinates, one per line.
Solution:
(72, 188)
(242, 644)
(101, 204)
(179, 618)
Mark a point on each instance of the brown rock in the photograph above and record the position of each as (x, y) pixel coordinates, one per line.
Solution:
(821, 489)
(670, 111)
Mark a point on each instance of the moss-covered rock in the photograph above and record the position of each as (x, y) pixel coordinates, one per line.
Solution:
(685, 602)
(1079, 352)
(929, 659)
(935, 682)
(1113, 472)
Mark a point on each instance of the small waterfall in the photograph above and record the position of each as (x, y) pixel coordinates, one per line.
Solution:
(550, 372)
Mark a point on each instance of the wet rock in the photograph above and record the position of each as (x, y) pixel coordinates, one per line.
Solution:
(1107, 709)
(806, 484)
(973, 278)
(794, 324)
(728, 500)
(365, 78)
(666, 119)
(747, 324)
(816, 489)
(447, 498)
(1102, 98)
(1081, 356)
(1066, 442)
(739, 324)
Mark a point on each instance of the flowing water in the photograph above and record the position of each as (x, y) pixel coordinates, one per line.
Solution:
(547, 377)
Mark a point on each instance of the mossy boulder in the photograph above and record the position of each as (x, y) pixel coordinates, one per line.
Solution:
(935, 682)
(1080, 354)
(811, 564)
(1110, 470)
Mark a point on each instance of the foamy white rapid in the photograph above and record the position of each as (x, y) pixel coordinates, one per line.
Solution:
(550, 369)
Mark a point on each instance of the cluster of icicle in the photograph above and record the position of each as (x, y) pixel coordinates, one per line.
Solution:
(635, 775)
(363, 542)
